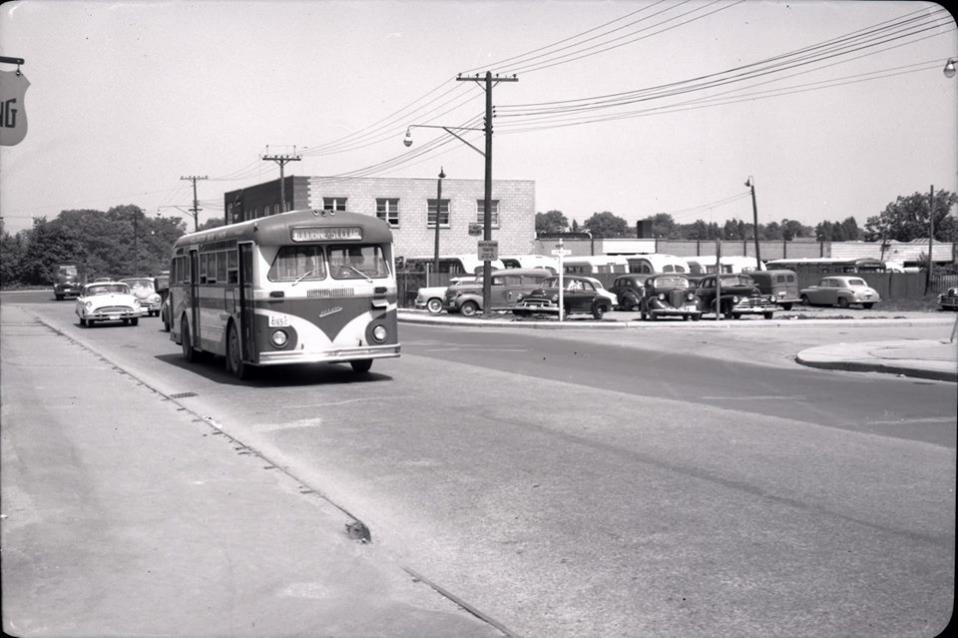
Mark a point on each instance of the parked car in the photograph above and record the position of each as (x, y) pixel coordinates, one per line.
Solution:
(108, 301)
(579, 295)
(431, 297)
(948, 300)
(669, 295)
(507, 287)
(780, 285)
(144, 289)
(841, 292)
(733, 295)
(629, 290)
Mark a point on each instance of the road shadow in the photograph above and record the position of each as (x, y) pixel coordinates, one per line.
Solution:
(281, 376)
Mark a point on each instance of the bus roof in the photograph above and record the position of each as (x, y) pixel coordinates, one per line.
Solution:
(275, 230)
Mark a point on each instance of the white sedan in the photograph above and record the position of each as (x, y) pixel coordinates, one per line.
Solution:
(841, 292)
(108, 301)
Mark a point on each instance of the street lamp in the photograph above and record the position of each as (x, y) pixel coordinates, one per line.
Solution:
(442, 176)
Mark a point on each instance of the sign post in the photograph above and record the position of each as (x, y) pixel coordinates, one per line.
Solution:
(561, 252)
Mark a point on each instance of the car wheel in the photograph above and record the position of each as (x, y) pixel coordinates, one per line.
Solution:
(867, 306)
(135, 321)
(805, 300)
(434, 306)
(234, 355)
(786, 306)
(469, 309)
(643, 316)
(685, 317)
(362, 366)
(735, 315)
(59, 297)
(769, 315)
(598, 310)
(842, 302)
(166, 325)
(189, 353)
(696, 317)
(82, 322)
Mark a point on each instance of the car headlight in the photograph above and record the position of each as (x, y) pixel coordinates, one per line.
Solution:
(279, 338)
(662, 296)
(154, 298)
(689, 296)
(555, 297)
(380, 333)
(735, 299)
(88, 305)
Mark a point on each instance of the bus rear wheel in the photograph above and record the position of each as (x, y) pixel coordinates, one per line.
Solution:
(234, 355)
(362, 366)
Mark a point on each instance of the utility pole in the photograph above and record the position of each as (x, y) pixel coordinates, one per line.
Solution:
(196, 206)
(931, 234)
(282, 160)
(487, 80)
(750, 182)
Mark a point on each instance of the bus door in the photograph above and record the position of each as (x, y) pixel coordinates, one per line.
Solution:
(194, 298)
(247, 307)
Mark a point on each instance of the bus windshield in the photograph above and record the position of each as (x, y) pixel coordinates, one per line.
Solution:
(357, 262)
(298, 263)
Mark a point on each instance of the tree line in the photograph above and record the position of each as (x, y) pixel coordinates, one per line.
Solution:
(121, 242)
(905, 219)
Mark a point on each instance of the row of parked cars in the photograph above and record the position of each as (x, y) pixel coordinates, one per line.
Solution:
(529, 292)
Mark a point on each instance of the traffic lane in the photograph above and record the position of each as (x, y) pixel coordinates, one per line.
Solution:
(564, 510)
(453, 480)
(619, 360)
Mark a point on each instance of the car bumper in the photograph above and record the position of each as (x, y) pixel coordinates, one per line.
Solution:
(284, 357)
(682, 311)
(112, 315)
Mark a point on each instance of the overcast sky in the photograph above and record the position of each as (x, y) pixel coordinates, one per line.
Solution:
(128, 97)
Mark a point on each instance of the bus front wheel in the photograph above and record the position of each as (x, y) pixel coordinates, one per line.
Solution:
(186, 342)
(361, 366)
(234, 355)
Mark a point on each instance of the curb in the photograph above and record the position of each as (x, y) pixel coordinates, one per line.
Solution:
(861, 366)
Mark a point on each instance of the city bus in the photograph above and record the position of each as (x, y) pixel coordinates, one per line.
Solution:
(823, 265)
(307, 286)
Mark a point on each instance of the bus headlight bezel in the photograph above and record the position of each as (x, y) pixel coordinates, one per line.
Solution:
(380, 333)
(279, 338)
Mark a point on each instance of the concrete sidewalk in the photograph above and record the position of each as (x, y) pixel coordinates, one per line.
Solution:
(921, 358)
(125, 513)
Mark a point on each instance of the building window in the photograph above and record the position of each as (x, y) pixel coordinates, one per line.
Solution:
(443, 214)
(481, 211)
(337, 204)
(388, 211)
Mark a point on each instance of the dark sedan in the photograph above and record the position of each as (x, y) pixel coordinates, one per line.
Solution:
(734, 295)
(669, 295)
(579, 295)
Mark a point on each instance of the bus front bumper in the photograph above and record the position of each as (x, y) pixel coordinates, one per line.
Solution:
(337, 355)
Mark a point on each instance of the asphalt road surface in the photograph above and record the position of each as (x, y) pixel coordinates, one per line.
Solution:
(612, 484)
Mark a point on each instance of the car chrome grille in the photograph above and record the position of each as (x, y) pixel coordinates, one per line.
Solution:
(108, 310)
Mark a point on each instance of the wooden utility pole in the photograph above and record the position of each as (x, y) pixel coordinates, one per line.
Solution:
(196, 206)
(282, 160)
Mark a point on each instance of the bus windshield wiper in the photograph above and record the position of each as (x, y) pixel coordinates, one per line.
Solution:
(303, 276)
(360, 273)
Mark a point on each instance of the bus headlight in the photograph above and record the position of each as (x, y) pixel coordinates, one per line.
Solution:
(380, 333)
(279, 338)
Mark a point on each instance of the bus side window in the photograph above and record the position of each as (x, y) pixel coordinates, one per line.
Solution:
(232, 267)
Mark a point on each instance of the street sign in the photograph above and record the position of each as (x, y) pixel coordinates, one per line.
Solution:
(13, 114)
(561, 252)
(475, 229)
(488, 250)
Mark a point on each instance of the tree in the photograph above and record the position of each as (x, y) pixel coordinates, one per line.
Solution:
(907, 218)
(214, 222)
(663, 225)
(606, 224)
(552, 221)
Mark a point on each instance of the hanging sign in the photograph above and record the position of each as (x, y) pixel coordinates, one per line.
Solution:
(13, 117)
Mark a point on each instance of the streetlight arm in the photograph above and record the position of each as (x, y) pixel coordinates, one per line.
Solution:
(448, 129)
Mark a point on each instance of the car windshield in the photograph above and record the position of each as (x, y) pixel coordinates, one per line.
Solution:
(857, 283)
(670, 282)
(106, 289)
(736, 280)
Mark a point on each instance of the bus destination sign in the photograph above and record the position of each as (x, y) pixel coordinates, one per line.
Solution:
(333, 233)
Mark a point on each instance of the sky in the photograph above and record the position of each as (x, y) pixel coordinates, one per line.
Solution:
(833, 108)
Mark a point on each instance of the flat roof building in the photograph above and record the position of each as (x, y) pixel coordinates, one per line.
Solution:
(409, 206)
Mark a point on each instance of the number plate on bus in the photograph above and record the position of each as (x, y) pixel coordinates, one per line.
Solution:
(278, 321)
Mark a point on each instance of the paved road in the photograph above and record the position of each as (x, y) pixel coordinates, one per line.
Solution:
(565, 490)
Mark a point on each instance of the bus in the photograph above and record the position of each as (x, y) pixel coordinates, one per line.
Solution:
(730, 264)
(824, 265)
(454, 265)
(593, 264)
(531, 261)
(306, 286)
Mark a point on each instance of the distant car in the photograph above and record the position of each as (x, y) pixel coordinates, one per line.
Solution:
(840, 291)
(733, 295)
(948, 300)
(108, 301)
(508, 285)
(144, 289)
(67, 282)
(780, 285)
(629, 290)
(669, 295)
(579, 295)
(431, 297)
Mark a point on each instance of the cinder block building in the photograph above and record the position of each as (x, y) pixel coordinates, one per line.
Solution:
(409, 206)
